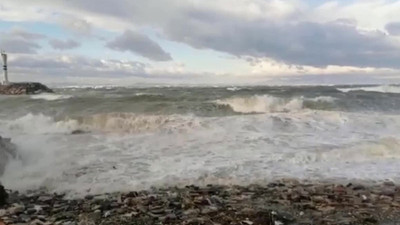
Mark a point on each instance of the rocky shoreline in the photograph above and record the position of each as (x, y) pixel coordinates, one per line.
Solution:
(283, 202)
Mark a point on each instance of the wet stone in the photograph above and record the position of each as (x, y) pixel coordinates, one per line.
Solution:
(291, 203)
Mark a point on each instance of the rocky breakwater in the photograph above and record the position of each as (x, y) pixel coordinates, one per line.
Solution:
(279, 203)
(26, 88)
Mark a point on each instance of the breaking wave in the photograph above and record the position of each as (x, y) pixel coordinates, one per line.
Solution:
(223, 150)
(148, 94)
(269, 104)
(136, 123)
(108, 122)
(233, 88)
(50, 97)
(381, 89)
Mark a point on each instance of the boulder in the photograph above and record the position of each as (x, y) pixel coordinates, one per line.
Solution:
(3, 195)
(26, 88)
(7, 151)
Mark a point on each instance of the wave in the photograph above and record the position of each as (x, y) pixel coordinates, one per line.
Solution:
(269, 104)
(50, 97)
(136, 123)
(233, 88)
(382, 148)
(108, 122)
(107, 87)
(381, 89)
(148, 94)
(306, 144)
(328, 99)
(36, 124)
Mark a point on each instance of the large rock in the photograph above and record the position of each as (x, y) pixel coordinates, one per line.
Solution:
(7, 151)
(3, 196)
(24, 88)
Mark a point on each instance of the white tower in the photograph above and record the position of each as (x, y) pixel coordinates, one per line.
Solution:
(4, 56)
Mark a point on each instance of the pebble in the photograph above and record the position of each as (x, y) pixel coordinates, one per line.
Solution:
(278, 203)
(16, 209)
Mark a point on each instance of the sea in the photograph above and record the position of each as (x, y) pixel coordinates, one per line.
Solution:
(133, 138)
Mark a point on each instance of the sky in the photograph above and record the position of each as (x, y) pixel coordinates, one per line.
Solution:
(212, 42)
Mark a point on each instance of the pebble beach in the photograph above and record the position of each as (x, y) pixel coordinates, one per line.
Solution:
(278, 203)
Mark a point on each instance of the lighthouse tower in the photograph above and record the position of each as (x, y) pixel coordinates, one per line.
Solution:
(4, 57)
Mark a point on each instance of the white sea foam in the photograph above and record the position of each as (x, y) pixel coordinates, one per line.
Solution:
(304, 144)
(148, 94)
(262, 104)
(328, 99)
(118, 123)
(35, 124)
(135, 123)
(269, 104)
(108, 87)
(50, 97)
(233, 88)
(382, 89)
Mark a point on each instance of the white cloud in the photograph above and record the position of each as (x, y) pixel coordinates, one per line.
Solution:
(371, 14)
(269, 67)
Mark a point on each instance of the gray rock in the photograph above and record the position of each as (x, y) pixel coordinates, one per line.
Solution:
(45, 198)
(76, 132)
(37, 222)
(3, 212)
(209, 209)
(31, 211)
(3, 194)
(69, 223)
(16, 209)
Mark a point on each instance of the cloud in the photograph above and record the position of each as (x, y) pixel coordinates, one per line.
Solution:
(21, 33)
(281, 30)
(139, 44)
(70, 65)
(302, 43)
(266, 66)
(336, 35)
(369, 15)
(63, 45)
(18, 40)
(77, 26)
(393, 28)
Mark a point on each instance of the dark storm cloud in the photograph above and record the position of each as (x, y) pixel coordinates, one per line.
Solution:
(63, 45)
(302, 43)
(139, 44)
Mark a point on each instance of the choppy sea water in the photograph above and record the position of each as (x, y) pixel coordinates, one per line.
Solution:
(142, 137)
